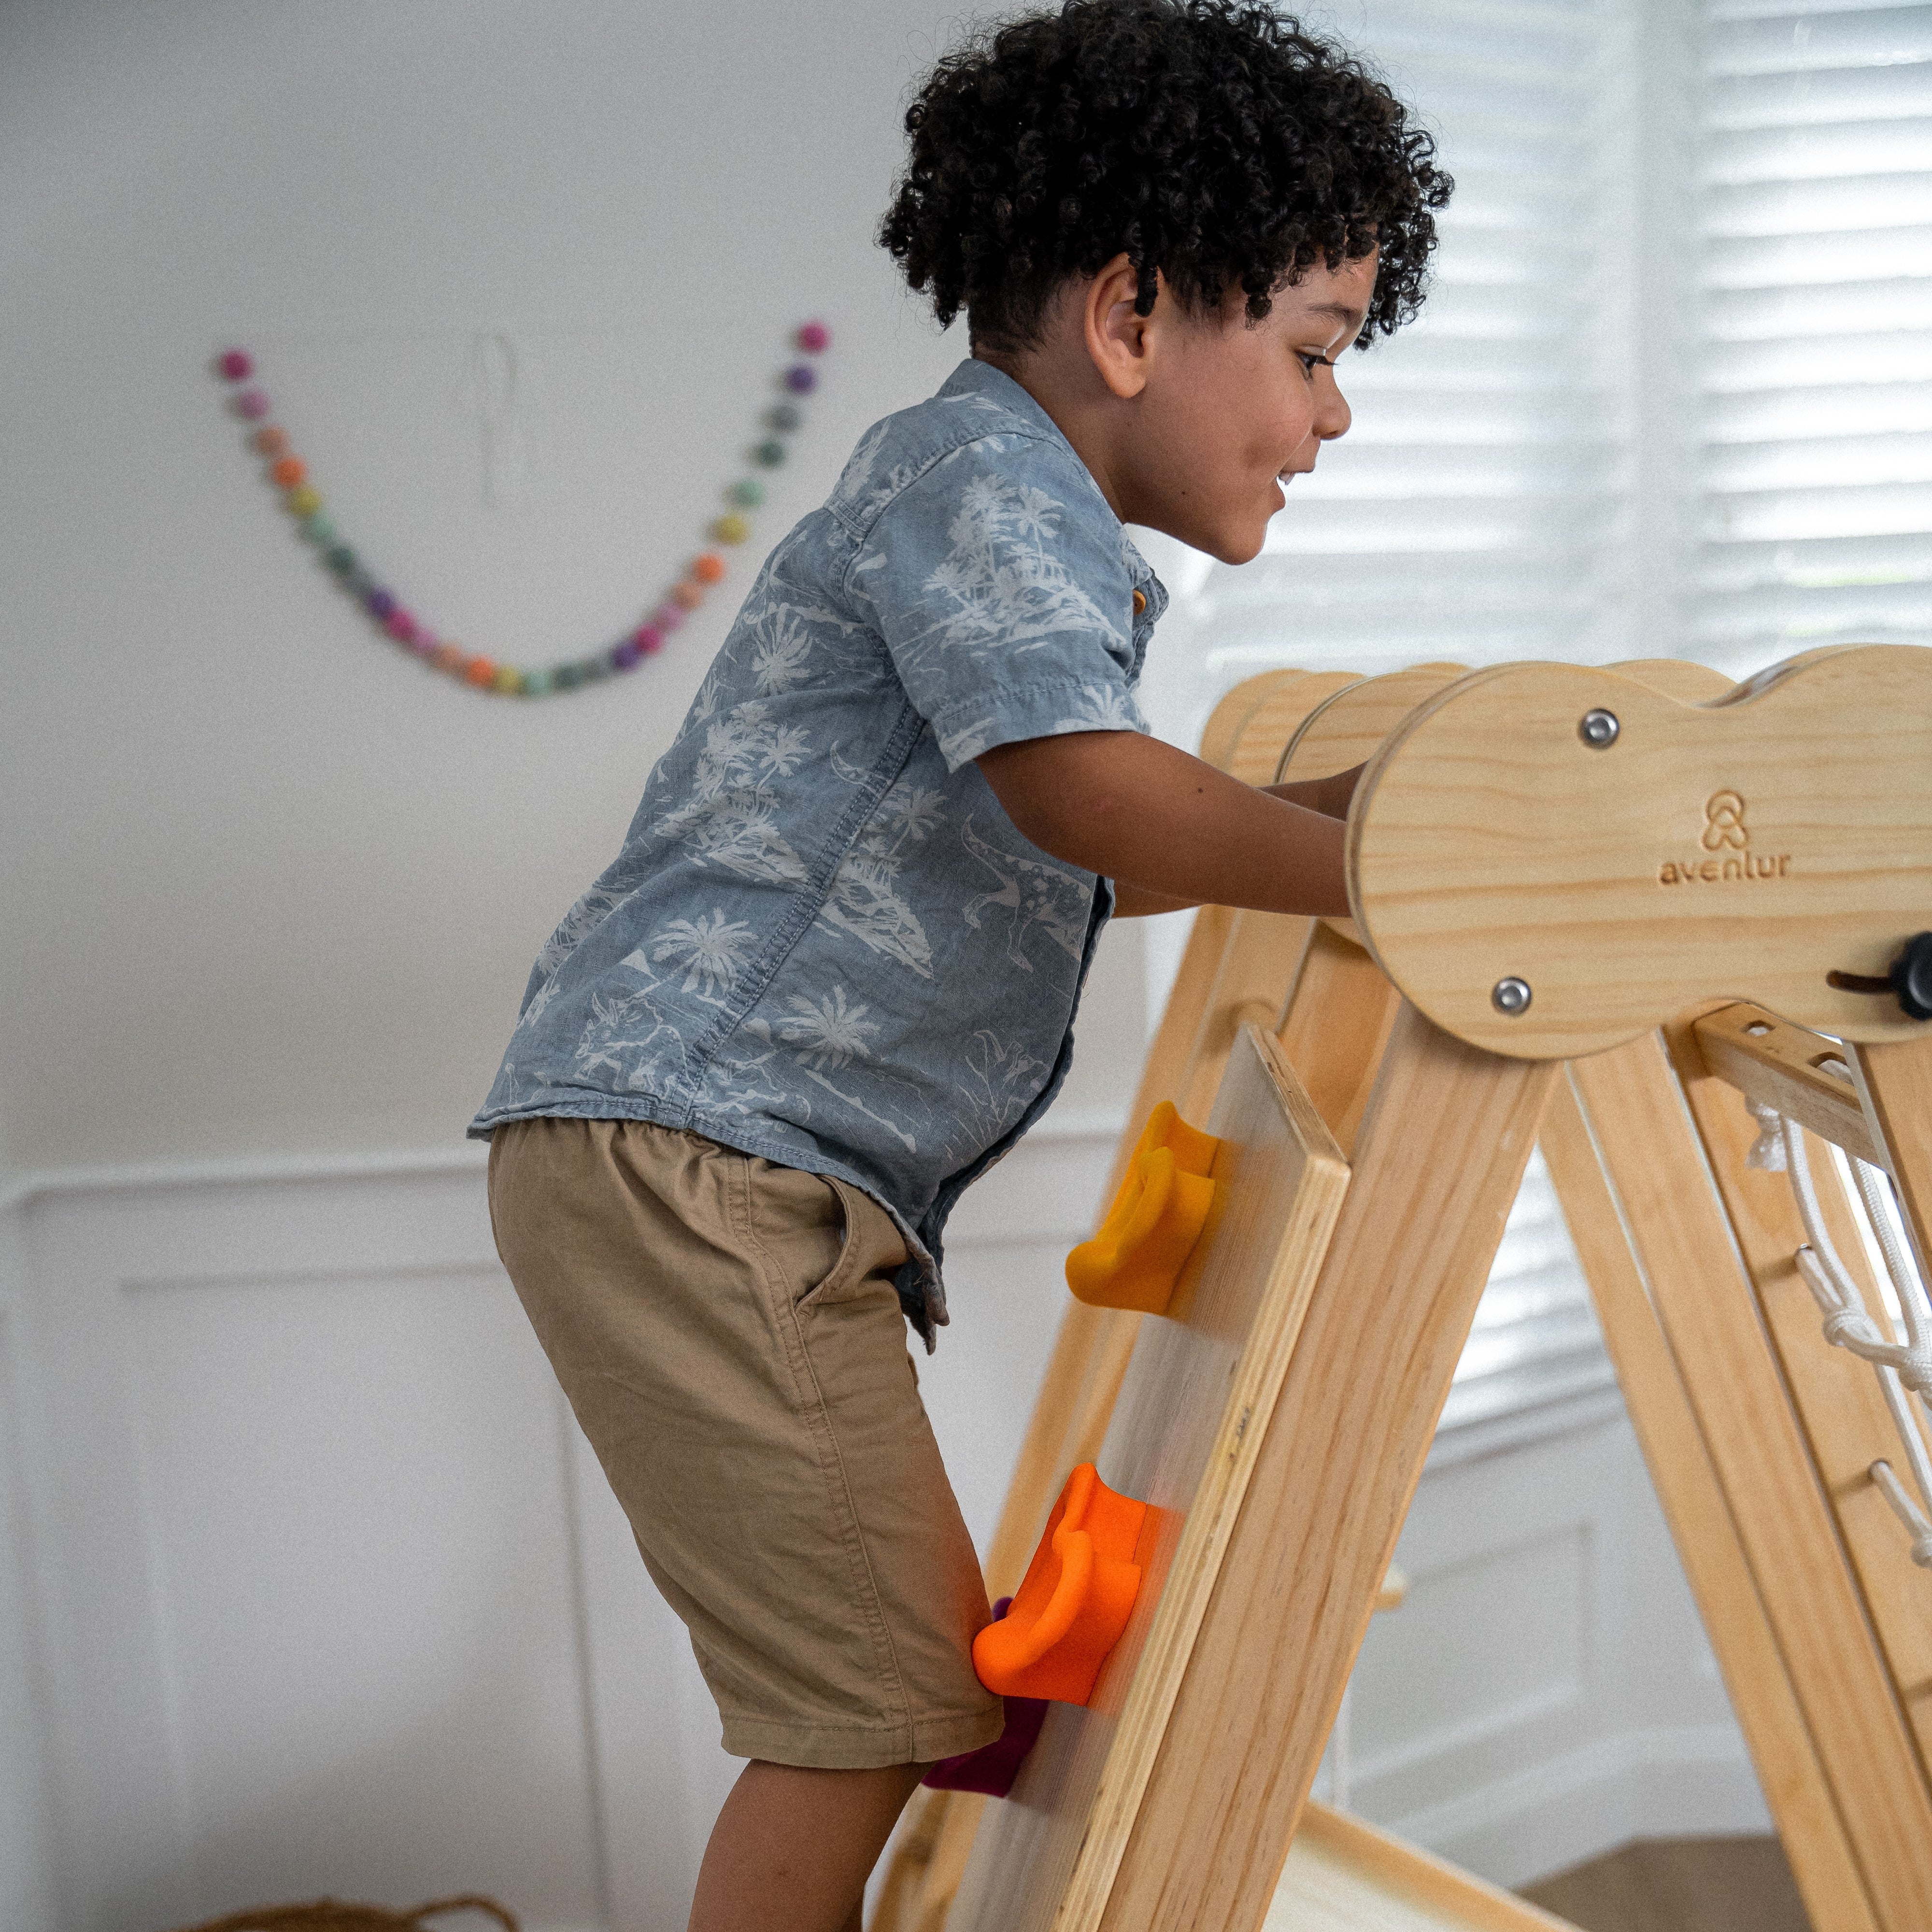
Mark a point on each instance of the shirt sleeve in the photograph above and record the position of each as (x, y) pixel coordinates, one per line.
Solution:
(1004, 598)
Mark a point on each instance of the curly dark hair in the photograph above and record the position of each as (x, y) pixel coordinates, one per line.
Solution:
(1210, 139)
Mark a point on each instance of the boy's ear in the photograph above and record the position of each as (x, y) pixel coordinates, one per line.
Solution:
(1118, 340)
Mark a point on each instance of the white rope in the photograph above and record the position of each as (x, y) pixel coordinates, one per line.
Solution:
(1767, 1151)
(1849, 1324)
(1907, 1511)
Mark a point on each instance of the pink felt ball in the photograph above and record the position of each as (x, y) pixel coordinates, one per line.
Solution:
(424, 644)
(401, 625)
(667, 616)
(813, 337)
(253, 404)
(236, 365)
(649, 639)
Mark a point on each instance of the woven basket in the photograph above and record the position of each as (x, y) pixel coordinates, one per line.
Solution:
(336, 1914)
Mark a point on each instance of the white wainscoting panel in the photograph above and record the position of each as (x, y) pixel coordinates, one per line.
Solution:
(26, 1817)
(309, 1584)
(1547, 1689)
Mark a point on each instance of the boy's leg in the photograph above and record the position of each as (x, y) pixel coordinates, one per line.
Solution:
(792, 1848)
(729, 1336)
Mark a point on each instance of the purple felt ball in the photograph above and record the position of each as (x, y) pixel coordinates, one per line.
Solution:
(624, 656)
(253, 404)
(235, 365)
(382, 605)
(801, 378)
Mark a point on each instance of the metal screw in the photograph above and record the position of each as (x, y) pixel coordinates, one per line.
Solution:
(1510, 996)
(1599, 729)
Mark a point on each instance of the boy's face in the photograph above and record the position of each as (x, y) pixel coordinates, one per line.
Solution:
(1230, 411)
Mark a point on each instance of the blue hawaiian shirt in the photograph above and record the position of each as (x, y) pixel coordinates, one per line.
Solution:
(824, 941)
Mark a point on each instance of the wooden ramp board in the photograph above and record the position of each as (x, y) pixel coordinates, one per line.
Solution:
(1190, 1417)
(1343, 1876)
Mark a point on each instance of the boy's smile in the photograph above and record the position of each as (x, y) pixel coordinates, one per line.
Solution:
(1194, 422)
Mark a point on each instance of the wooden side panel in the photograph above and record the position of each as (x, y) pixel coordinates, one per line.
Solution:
(1347, 728)
(1191, 1414)
(1441, 1153)
(1343, 1876)
(1256, 748)
(1835, 1397)
(1687, 1484)
(1739, 849)
(1656, 1163)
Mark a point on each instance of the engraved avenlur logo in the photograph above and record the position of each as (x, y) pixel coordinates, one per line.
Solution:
(1726, 855)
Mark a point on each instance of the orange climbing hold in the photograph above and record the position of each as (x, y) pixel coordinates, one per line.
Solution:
(1136, 1258)
(1074, 1600)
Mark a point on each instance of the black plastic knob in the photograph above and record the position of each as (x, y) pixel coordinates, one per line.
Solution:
(1912, 977)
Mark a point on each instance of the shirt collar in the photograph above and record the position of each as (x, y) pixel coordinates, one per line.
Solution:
(974, 377)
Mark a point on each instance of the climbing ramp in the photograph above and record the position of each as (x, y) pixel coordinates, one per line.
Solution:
(1664, 925)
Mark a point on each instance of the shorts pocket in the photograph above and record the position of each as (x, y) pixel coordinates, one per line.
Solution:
(874, 1252)
(850, 1270)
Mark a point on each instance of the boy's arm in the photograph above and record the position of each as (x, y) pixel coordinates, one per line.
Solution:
(1170, 830)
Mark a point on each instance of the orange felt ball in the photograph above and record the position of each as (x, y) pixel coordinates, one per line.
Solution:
(689, 594)
(480, 671)
(271, 441)
(289, 471)
(709, 568)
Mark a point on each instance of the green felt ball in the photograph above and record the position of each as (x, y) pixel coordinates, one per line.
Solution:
(536, 683)
(771, 452)
(318, 529)
(749, 494)
(342, 560)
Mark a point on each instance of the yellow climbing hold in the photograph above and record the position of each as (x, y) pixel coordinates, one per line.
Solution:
(1136, 1258)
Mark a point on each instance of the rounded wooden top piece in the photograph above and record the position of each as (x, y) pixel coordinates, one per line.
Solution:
(1549, 860)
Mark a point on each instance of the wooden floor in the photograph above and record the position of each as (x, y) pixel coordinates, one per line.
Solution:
(1678, 1884)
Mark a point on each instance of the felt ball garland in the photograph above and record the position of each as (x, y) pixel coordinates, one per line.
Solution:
(303, 502)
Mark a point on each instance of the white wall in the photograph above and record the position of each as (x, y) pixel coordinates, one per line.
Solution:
(270, 886)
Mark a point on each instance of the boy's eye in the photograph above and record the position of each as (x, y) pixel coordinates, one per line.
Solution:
(1310, 362)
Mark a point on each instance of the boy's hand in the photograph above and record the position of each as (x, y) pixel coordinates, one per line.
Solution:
(1172, 831)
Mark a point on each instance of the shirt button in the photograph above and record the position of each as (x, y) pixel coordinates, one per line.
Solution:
(1140, 602)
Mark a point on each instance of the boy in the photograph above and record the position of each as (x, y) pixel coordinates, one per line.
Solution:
(833, 973)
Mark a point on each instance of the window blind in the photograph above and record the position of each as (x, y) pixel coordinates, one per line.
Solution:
(1471, 512)
(1474, 511)
(1813, 202)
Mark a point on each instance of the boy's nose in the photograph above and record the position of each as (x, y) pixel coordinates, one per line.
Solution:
(1332, 414)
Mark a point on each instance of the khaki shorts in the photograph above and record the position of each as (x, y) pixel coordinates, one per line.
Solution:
(727, 1332)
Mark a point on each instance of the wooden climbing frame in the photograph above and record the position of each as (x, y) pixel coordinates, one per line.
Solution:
(1635, 914)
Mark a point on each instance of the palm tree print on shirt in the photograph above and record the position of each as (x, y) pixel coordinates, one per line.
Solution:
(731, 818)
(712, 949)
(1004, 579)
(864, 900)
(827, 1034)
